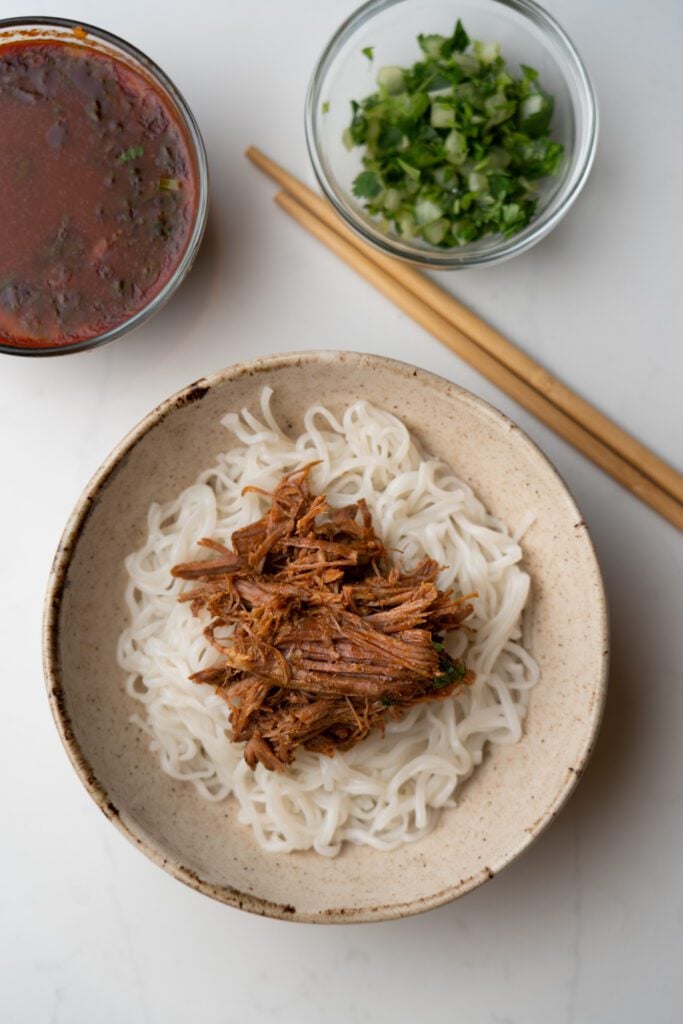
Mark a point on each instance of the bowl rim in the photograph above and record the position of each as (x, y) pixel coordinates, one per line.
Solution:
(451, 259)
(57, 583)
(168, 87)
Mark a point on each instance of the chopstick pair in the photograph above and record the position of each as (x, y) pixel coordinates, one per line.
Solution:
(513, 371)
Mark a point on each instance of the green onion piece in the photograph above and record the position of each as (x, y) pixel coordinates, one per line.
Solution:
(435, 232)
(487, 53)
(426, 211)
(412, 172)
(134, 153)
(392, 200)
(433, 46)
(169, 185)
(443, 115)
(391, 80)
(406, 226)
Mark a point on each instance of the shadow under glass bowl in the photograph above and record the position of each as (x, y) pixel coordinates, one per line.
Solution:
(527, 34)
(79, 33)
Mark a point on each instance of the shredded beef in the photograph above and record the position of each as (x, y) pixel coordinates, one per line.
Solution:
(321, 636)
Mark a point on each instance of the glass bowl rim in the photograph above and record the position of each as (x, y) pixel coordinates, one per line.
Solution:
(170, 89)
(454, 259)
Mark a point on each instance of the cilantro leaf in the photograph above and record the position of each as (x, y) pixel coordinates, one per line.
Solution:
(460, 40)
(456, 671)
(366, 185)
(369, 52)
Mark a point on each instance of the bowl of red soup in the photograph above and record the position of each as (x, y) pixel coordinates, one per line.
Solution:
(103, 187)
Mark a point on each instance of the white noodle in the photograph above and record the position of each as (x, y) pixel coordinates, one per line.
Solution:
(388, 789)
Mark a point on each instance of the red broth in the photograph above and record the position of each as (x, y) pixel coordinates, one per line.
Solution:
(98, 192)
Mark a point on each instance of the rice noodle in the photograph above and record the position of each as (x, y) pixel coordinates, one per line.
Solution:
(388, 789)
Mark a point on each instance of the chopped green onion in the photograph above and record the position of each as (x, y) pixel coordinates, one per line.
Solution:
(443, 115)
(326, 107)
(432, 45)
(134, 153)
(426, 211)
(453, 146)
(169, 185)
(453, 672)
(435, 232)
(392, 200)
(487, 53)
(406, 226)
(391, 80)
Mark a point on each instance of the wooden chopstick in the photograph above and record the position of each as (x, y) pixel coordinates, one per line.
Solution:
(488, 351)
(527, 396)
(464, 320)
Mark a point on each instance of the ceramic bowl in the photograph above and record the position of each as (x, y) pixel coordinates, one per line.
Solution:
(512, 796)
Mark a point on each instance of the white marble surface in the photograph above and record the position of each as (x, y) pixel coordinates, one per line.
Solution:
(587, 925)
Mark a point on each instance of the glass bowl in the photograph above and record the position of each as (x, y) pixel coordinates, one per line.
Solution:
(78, 33)
(527, 34)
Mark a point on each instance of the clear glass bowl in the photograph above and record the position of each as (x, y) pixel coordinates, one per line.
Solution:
(527, 34)
(80, 33)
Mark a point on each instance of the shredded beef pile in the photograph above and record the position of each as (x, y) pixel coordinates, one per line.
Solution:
(329, 638)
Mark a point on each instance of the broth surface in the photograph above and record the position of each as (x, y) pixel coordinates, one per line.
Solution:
(98, 192)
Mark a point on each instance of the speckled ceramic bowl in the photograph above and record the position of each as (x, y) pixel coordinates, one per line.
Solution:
(512, 796)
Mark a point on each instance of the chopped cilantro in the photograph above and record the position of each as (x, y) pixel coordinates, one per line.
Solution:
(456, 671)
(454, 145)
(369, 52)
(366, 185)
(386, 701)
(134, 153)
(460, 40)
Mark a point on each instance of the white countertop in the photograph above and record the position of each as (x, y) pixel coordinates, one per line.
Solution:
(587, 925)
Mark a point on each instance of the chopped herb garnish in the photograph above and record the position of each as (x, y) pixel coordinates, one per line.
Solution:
(325, 107)
(369, 52)
(367, 185)
(456, 671)
(169, 185)
(134, 153)
(386, 701)
(453, 145)
(460, 40)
